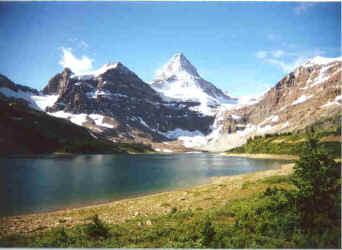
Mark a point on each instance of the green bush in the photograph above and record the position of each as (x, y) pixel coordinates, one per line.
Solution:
(207, 232)
(97, 229)
(318, 179)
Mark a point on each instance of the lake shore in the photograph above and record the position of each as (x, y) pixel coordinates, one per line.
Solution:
(263, 156)
(218, 192)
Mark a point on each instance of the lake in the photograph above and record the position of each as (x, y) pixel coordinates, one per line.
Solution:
(48, 182)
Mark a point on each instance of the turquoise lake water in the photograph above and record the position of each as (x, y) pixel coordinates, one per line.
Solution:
(48, 182)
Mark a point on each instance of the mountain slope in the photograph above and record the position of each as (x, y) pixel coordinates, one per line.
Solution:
(179, 79)
(115, 102)
(308, 94)
(26, 129)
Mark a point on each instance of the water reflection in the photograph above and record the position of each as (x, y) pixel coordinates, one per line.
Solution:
(51, 182)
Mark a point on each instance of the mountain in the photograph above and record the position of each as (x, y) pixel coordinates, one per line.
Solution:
(116, 103)
(179, 80)
(180, 111)
(26, 129)
(309, 94)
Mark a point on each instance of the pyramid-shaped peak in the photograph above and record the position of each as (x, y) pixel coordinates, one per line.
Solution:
(177, 66)
(180, 58)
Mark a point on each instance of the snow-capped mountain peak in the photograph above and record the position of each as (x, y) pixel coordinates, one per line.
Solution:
(179, 79)
(178, 66)
(319, 60)
(102, 70)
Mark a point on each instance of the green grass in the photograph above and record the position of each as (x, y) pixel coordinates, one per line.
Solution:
(277, 179)
(263, 220)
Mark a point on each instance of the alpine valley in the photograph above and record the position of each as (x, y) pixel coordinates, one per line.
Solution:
(179, 111)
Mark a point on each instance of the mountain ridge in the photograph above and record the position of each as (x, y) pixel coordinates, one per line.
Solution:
(309, 93)
(114, 102)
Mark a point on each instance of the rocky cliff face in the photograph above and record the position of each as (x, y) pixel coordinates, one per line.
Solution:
(58, 84)
(114, 101)
(308, 94)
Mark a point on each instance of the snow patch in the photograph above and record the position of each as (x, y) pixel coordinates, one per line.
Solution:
(143, 122)
(78, 119)
(322, 76)
(275, 118)
(272, 118)
(328, 104)
(338, 98)
(282, 108)
(96, 93)
(27, 96)
(286, 124)
(335, 102)
(304, 88)
(44, 101)
(262, 130)
(99, 120)
(93, 74)
(301, 99)
(318, 60)
(248, 130)
(176, 133)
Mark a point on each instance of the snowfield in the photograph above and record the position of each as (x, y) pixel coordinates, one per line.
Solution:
(38, 102)
(44, 101)
(79, 119)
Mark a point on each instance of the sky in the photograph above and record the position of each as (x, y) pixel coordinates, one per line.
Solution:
(241, 47)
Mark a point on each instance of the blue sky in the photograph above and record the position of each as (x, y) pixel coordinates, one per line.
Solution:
(241, 47)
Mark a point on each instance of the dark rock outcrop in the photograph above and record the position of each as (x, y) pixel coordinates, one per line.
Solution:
(121, 97)
(58, 84)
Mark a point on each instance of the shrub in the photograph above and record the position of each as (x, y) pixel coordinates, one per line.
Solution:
(207, 232)
(173, 210)
(97, 229)
(317, 177)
